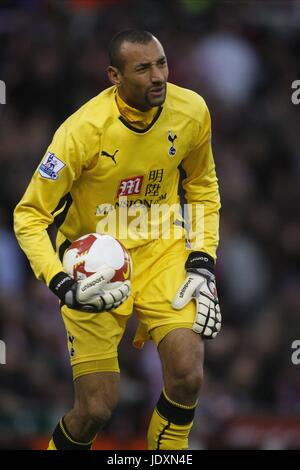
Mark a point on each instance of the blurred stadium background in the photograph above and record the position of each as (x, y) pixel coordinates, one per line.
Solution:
(242, 57)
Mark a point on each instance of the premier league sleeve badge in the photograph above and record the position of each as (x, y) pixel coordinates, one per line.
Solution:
(51, 166)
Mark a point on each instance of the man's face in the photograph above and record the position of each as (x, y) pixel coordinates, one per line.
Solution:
(142, 80)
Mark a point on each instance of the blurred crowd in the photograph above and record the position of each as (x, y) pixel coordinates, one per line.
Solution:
(242, 58)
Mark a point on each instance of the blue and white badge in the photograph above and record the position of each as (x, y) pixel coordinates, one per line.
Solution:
(51, 166)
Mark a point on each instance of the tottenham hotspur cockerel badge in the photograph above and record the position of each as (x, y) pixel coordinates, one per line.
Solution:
(171, 138)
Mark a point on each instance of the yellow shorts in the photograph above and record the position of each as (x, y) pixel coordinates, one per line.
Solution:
(158, 271)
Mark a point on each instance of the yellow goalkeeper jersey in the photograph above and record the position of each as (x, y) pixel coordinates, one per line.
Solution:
(102, 174)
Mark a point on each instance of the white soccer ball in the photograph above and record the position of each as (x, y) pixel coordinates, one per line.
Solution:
(88, 254)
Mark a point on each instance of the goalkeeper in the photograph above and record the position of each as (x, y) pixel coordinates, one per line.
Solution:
(123, 149)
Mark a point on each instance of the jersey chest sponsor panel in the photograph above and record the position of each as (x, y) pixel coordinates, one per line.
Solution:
(132, 166)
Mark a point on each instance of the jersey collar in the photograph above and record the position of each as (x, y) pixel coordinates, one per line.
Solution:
(140, 120)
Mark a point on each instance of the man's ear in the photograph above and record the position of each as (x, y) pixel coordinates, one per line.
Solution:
(114, 75)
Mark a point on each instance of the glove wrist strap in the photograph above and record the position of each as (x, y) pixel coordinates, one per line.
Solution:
(199, 260)
(60, 284)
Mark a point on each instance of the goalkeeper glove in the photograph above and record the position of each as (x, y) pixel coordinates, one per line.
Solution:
(91, 294)
(200, 285)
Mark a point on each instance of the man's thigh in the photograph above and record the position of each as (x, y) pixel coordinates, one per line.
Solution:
(93, 340)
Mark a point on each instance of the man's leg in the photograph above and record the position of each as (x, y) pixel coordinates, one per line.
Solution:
(96, 396)
(182, 355)
(93, 341)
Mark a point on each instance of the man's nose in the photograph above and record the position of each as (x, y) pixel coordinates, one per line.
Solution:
(156, 74)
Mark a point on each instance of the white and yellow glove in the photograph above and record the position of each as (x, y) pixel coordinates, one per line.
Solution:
(200, 285)
(92, 294)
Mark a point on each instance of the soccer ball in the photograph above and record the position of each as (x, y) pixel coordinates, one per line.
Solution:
(86, 255)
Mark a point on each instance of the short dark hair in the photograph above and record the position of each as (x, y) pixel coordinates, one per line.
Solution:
(129, 35)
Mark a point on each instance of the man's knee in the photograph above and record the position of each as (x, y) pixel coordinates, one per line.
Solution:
(182, 356)
(185, 380)
(96, 400)
(96, 411)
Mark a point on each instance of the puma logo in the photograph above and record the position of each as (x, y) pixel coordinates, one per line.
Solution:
(106, 154)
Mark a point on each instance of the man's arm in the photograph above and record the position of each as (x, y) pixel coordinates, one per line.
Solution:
(201, 187)
(35, 212)
(202, 194)
(46, 196)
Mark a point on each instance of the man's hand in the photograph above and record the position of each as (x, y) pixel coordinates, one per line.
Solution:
(200, 285)
(91, 294)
